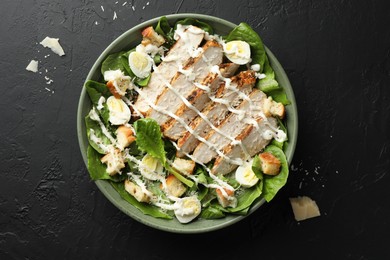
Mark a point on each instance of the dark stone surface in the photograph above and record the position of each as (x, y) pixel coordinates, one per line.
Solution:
(337, 56)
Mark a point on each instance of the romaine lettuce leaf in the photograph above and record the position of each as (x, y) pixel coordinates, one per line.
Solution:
(149, 140)
(96, 90)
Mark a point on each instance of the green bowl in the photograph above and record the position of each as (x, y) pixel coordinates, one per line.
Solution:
(125, 42)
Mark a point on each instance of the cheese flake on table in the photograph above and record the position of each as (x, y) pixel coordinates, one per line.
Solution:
(304, 208)
(53, 44)
(32, 66)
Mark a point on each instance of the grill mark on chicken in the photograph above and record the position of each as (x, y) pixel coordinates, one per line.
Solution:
(167, 69)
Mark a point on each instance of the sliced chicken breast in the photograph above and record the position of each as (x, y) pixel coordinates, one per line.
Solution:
(198, 98)
(215, 112)
(231, 127)
(252, 141)
(179, 55)
(183, 83)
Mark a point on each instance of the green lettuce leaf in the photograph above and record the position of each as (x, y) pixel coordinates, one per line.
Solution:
(212, 212)
(279, 95)
(256, 167)
(97, 169)
(191, 21)
(115, 61)
(284, 129)
(149, 140)
(96, 90)
(91, 124)
(164, 29)
(246, 198)
(272, 184)
(268, 83)
(145, 208)
(244, 32)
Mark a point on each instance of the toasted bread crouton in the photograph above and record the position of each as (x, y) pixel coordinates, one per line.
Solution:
(174, 186)
(124, 136)
(273, 108)
(225, 202)
(114, 161)
(136, 191)
(269, 163)
(111, 88)
(119, 86)
(150, 36)
(184, 166)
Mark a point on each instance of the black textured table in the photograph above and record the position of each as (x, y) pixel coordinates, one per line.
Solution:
(337, 56)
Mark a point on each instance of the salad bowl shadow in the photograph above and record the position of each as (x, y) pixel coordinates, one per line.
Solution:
(128, 40)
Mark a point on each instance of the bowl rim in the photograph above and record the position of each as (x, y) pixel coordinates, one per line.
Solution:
(102, 184)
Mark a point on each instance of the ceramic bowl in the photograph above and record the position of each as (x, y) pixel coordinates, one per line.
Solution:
(126, 41)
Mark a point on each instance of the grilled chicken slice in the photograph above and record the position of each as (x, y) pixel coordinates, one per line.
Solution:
(177, 56)
(252, 141)
(198, 98)
(183, 83)
(231, 127)
(215, 112)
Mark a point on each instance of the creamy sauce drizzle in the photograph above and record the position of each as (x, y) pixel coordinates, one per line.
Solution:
(187, 127)
(128, 102)
(99, 142)
(220, 183)
(158, 176)
(94, 116)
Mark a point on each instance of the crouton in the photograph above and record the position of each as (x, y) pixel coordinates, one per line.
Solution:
(114, 161)
(273, 108)
(174, 186)
(184, 166)
(136, 191)
(269, 163)
(124, 136)
(150, 36)
(111, 88)
(231, 201)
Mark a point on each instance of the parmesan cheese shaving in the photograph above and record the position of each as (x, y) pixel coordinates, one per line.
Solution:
(304, 208)
(32, 66)
(53, 44)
